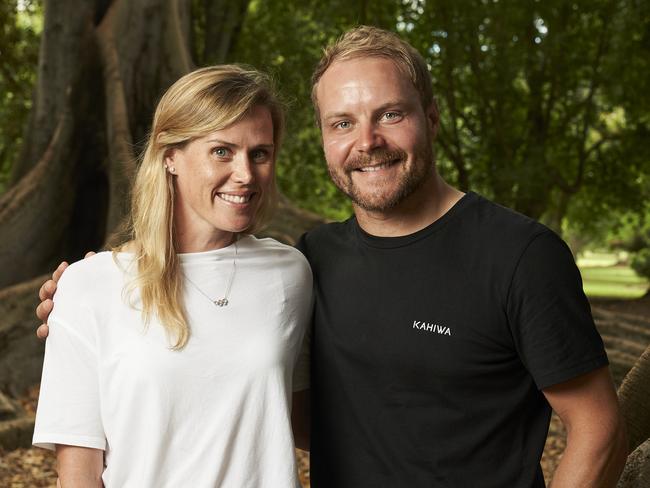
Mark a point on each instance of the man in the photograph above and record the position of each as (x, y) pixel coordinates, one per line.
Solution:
(445, 327)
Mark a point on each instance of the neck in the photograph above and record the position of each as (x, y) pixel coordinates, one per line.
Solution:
(192, 236)
(428, 203)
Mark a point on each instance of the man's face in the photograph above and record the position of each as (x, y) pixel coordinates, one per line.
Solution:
(376, 136)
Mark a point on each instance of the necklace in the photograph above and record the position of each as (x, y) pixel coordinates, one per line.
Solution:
(220, 302)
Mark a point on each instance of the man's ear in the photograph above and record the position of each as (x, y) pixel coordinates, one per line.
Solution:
(433, 119)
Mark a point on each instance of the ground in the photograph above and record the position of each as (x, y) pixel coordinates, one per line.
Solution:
(34, 468)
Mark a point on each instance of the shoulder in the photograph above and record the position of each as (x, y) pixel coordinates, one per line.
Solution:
(326, 238)
(275, 253)
(502, 228)
(92, 274)
(489, 214)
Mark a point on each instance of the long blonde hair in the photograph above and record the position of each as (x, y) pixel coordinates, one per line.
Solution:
(200, 102)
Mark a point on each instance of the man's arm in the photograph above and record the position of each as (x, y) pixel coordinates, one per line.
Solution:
(80, 467)
(300, 418)
(596, 448)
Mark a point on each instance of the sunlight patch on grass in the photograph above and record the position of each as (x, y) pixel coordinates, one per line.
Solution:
(612, 282)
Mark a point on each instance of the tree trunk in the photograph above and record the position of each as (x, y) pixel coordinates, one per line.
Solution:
(634, 396)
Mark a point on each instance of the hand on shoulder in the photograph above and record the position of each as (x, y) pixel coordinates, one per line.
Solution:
(46, 294)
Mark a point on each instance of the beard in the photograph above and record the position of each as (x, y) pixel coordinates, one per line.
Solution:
(390, 193)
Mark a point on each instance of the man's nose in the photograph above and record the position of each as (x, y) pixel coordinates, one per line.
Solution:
(369, 138)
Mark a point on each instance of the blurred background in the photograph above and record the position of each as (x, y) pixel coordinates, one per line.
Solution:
(545, 108)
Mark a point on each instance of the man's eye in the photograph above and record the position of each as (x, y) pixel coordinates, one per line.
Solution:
(260, 156)
(390, 116)
(344, 124)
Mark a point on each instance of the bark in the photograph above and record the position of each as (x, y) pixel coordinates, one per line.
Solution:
(64, 42)
(290, 222)
(21, 353)
(133, 37)
(634, 396)
(637, 470)
(223, 22)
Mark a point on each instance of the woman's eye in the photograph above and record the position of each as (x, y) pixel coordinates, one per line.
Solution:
(220, 152)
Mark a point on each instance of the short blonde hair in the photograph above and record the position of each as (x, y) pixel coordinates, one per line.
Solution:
(200, 102)
(367, 41)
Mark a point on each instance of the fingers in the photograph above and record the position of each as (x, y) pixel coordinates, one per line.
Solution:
(47, 290)
(43, 331)
(59, 271)
(89, 253)
(43, 309)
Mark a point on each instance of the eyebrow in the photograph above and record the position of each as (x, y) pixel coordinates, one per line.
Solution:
(233, 145)
(391, 103)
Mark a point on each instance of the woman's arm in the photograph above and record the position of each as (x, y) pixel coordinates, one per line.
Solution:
(79, 467)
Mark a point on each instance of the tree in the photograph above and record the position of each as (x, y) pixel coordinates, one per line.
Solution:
(532, 108)
(19, 31)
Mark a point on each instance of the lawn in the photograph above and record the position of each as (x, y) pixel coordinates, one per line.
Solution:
(603, 278)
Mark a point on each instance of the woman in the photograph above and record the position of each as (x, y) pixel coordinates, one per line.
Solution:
(169, 361)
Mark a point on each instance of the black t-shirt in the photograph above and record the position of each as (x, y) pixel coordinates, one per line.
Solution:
(429, 350)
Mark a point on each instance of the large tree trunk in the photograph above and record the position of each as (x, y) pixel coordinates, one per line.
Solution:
(634, 395)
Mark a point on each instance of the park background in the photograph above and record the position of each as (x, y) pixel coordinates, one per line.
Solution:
(545, 108)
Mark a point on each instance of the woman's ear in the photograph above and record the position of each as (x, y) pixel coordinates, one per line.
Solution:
(170, 160)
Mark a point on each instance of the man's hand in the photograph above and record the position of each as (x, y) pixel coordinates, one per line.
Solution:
(46, 293)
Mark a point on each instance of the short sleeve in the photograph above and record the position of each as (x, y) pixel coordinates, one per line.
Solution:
(68, 407)
(549, 314)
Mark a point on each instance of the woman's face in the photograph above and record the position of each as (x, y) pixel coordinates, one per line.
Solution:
(220, 180)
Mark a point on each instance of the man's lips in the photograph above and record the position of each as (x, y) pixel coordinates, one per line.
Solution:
(377, 166)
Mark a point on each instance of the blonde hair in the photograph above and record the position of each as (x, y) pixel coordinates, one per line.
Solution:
(200, 102)
(367, 41)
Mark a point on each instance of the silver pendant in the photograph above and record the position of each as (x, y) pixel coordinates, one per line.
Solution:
(222, 302)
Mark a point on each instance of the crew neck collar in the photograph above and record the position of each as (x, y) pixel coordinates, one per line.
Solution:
(212, 255)
(400, 241)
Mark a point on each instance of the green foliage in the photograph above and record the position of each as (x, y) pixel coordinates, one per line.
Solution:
(533, 113)
(641, 261)
(538, 110)
(20, 27)
(632, 233)
(544, 104)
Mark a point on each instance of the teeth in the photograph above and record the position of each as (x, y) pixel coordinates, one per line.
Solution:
(235, 198)
(374, 168)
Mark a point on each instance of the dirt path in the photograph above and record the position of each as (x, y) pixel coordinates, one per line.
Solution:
(624, 326)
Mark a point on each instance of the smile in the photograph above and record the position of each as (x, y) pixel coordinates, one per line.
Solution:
(235, 198)
(377, 167)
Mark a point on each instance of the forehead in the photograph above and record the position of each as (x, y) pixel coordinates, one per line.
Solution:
(256, 124)
(363, 81)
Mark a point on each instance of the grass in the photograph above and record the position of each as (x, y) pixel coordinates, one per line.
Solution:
(603, 278)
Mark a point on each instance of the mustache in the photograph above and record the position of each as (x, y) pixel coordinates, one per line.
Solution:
(379, 156)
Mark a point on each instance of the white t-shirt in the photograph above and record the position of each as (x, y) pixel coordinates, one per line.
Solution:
(214, 414)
